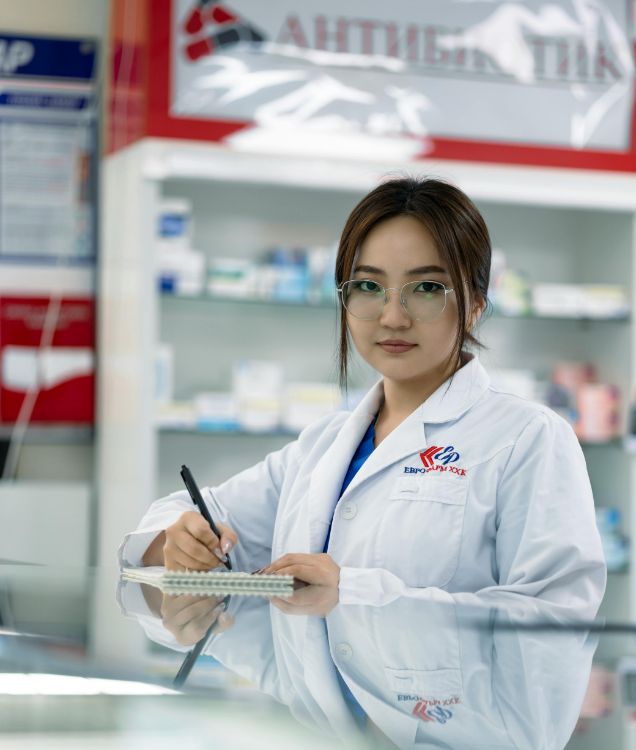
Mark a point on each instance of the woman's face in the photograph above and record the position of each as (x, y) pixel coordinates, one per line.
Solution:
(397, 251)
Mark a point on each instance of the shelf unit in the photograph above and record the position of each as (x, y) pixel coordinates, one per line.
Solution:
(291, 434)
(44, 433)
(555, 225)
(226, 433)
(170, 298)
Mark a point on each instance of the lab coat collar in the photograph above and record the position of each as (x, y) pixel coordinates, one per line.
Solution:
(457, 394)
(329, 472)
(452, 399)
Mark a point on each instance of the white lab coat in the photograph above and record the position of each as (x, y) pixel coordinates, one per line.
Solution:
(501, 502)
(482, 687)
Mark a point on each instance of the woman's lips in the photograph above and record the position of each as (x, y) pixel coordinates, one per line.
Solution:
(396, 348)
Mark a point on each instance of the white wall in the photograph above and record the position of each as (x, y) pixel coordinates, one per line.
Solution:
(55, 17)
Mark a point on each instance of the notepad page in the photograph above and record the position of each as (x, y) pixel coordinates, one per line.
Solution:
(212, 581)
(151, 574)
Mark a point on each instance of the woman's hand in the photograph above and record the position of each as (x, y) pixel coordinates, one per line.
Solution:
(309, 600)
(189, 617)
(190, 544)
(319, 569)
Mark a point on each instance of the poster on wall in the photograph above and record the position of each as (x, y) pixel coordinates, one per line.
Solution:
(48, 161)
(58, 377)
(555, 74)
(47, 149)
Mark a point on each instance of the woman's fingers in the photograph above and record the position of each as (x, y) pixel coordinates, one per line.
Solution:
(311, 600)
(228, 538)
(225, 622)
(194, 523)
(186, 543)
(190, 543)
(307, 573)
(291, 558)
(196, 549)
(176, 558)
(189, 618)
(311, 568)
(180, 610)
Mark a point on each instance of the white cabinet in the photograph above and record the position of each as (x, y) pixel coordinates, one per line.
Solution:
(556, 225)
(36, 515)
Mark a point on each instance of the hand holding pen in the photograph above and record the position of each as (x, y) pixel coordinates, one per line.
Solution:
(197, 499)
(192, 542)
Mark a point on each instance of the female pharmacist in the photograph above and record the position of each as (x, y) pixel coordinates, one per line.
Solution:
(436, 482)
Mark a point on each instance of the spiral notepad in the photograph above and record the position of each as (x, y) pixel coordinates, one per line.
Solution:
(204, 583)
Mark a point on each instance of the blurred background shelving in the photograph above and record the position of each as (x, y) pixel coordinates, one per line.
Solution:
(553, 226)
(561, 234)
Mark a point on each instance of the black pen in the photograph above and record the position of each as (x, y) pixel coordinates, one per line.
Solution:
(193, 655)
(194, 493)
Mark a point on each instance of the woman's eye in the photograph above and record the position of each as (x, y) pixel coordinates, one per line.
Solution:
(429, 287)
(371, 287)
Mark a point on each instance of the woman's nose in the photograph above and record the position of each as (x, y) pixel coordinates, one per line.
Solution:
(393, 313)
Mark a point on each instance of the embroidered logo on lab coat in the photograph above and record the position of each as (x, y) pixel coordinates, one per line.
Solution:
(426, 712)
(438, 453)
(431, 709)
(438, 458)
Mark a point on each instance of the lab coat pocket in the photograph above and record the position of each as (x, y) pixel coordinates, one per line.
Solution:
(443, 685)
(422, 529)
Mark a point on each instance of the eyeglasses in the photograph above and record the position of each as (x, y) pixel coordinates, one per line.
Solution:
(365, 299)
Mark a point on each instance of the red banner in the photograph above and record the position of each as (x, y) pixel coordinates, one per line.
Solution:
(47, 351)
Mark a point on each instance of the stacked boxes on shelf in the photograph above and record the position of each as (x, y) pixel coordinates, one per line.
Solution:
(180, 268)
(511, 293)
(615, 544)
(260, 401)
(573, 391)
(282, 274)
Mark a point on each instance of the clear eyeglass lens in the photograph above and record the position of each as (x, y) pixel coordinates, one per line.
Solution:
(423, 300)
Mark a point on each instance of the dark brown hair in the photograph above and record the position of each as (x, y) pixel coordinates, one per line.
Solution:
(456, 226)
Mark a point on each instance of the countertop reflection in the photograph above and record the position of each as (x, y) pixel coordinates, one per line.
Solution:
(430, 670)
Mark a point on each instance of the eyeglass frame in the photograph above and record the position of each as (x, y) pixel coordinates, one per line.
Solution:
(402, 300)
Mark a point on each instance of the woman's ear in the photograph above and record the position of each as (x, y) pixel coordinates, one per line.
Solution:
(478, 308)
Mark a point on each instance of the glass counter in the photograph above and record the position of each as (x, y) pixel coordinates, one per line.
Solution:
(90, 660)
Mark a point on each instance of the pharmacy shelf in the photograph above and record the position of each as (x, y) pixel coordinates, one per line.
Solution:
(57, 433)
(223, 433)
(569, 318)
(616, 442)
(329, 305)
(220, 299)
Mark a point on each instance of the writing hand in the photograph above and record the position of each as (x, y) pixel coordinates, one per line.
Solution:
(190, 544)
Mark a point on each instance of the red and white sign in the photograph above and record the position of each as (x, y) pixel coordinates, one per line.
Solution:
(543, 83)
(61, 375)
(534, 73)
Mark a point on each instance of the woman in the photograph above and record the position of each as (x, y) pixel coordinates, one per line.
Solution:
(436, 480)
